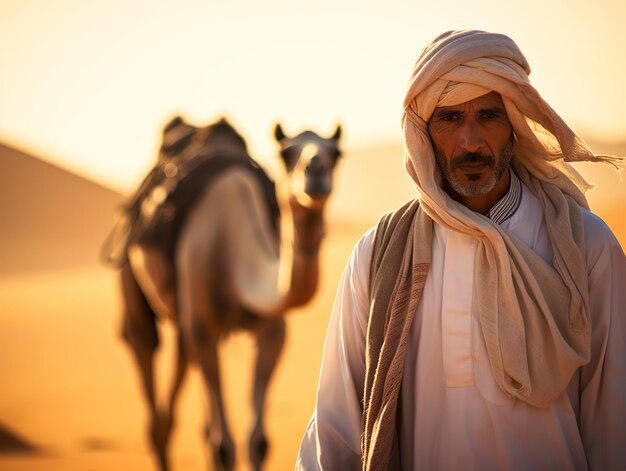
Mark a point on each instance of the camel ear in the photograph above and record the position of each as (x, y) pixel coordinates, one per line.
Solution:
(337, 134)
(278, 133)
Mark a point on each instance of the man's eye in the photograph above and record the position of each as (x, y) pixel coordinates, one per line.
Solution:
(489, 115)
(449, 116)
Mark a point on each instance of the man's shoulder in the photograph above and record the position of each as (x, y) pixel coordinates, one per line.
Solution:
(596, 229)
(599, 239)
(359, 260)
(365, 242)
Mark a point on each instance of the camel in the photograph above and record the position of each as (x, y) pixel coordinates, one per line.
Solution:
(236, 262)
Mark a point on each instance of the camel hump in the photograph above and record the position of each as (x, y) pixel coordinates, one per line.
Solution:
(189, 159)
(177, 135)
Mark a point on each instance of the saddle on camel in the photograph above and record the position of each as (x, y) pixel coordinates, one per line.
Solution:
(204, 244)
(185, 165)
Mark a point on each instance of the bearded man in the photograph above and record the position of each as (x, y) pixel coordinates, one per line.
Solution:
(483, 325)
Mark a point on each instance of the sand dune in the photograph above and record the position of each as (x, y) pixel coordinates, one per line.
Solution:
(51, 218)
(70, 386)
(10, 442)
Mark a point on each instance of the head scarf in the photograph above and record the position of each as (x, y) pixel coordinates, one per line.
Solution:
(459, 66)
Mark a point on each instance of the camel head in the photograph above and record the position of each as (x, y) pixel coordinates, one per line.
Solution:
(309, 160)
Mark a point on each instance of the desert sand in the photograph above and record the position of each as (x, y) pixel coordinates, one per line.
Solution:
(70, 398)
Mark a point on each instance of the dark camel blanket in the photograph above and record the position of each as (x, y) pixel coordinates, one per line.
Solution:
(155, 214)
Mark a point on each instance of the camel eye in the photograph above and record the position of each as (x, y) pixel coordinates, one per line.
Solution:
(289, 155)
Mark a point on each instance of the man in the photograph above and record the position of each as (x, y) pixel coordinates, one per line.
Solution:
(482, 326)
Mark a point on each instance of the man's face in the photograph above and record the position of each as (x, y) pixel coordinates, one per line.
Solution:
(473, 144)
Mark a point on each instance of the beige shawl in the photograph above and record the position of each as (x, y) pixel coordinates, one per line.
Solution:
(534, 316)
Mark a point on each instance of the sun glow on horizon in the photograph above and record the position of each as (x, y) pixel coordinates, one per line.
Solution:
(89, 85)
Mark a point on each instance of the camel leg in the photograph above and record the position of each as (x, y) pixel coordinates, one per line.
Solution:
(199, 274)
(270, 342)
(140, 333)
(182, 362)
(221, 446)
(200, 341)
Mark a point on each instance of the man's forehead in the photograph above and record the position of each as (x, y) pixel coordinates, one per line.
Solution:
(489, 100)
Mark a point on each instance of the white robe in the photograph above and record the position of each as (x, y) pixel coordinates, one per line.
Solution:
(453, 416)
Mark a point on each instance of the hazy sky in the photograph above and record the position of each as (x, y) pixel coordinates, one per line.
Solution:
(89, 84)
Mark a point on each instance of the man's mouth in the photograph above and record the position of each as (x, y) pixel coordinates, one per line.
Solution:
(472, 167)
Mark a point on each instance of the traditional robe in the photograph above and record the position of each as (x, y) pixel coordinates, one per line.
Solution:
(452, 415)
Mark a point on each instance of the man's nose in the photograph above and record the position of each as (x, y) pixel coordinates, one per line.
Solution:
(470, 138)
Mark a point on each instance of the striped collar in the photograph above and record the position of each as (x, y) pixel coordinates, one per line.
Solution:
(508, 204)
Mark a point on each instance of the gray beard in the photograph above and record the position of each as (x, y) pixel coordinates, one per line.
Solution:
(471, 190)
